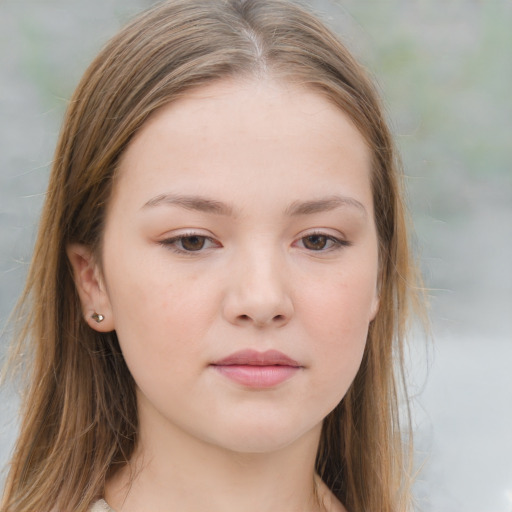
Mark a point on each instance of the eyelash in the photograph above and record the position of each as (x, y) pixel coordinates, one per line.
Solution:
(337, 243)
(171, 243)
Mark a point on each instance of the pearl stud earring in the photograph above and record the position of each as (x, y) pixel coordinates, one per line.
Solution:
(98, 317)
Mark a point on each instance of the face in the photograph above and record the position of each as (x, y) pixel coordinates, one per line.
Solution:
(240, 263)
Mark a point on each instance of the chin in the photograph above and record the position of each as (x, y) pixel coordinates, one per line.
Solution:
(261, 438)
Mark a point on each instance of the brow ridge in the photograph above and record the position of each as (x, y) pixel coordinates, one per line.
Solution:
(191, 202)
(324, 204)
(297, 208)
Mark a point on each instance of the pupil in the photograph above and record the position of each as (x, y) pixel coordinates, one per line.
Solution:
(193, 243)
(315, 242)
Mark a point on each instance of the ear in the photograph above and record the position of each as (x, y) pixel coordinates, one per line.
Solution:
(91, 288)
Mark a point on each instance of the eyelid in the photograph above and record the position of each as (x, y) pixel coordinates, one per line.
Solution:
(170, 241)
(339, 240)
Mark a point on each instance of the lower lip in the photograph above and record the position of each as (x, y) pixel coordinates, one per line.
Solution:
(257, 376)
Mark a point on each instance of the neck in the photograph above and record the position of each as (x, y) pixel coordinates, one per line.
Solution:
(173, 471)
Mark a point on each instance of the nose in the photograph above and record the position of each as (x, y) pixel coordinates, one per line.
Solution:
(257, 293)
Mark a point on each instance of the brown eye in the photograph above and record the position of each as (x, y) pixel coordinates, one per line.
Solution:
(190, 244)
(315, 242)
(193, 243)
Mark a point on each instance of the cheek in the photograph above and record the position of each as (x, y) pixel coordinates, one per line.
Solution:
(336, 316)
(341, 306)
(159, 316)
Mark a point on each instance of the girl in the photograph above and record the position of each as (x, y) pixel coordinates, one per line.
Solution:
(220, 286)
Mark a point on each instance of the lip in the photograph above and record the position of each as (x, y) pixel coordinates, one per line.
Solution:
(258, 370)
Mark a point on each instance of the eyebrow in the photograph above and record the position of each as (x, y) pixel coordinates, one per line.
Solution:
(324, 205)
(297, 208)
(197, 203)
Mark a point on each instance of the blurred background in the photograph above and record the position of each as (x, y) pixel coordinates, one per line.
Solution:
(445, 71)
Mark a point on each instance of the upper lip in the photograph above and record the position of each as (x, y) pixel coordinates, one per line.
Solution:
(255, 358)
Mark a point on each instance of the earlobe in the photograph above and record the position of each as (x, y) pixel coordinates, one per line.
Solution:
(91, 288)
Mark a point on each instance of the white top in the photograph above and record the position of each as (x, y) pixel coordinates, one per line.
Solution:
(101, 506)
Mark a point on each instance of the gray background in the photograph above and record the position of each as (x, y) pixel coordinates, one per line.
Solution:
(445, 70)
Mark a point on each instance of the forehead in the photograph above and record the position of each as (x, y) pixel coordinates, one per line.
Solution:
(249, 139)
(261, 105)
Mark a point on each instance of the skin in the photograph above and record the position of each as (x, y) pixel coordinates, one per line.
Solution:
(289, 262)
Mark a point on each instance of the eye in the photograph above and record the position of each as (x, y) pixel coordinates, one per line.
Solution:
(192, 243)
(315, 242)
(320, 242)
(189, 243)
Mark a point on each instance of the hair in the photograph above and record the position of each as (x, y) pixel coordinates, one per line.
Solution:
(79, 416)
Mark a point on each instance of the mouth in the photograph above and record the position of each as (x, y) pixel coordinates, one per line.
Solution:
(258, 370)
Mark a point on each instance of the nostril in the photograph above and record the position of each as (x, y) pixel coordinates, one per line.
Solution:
(247, 318)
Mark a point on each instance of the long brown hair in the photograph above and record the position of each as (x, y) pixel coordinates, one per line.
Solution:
(79, 417)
